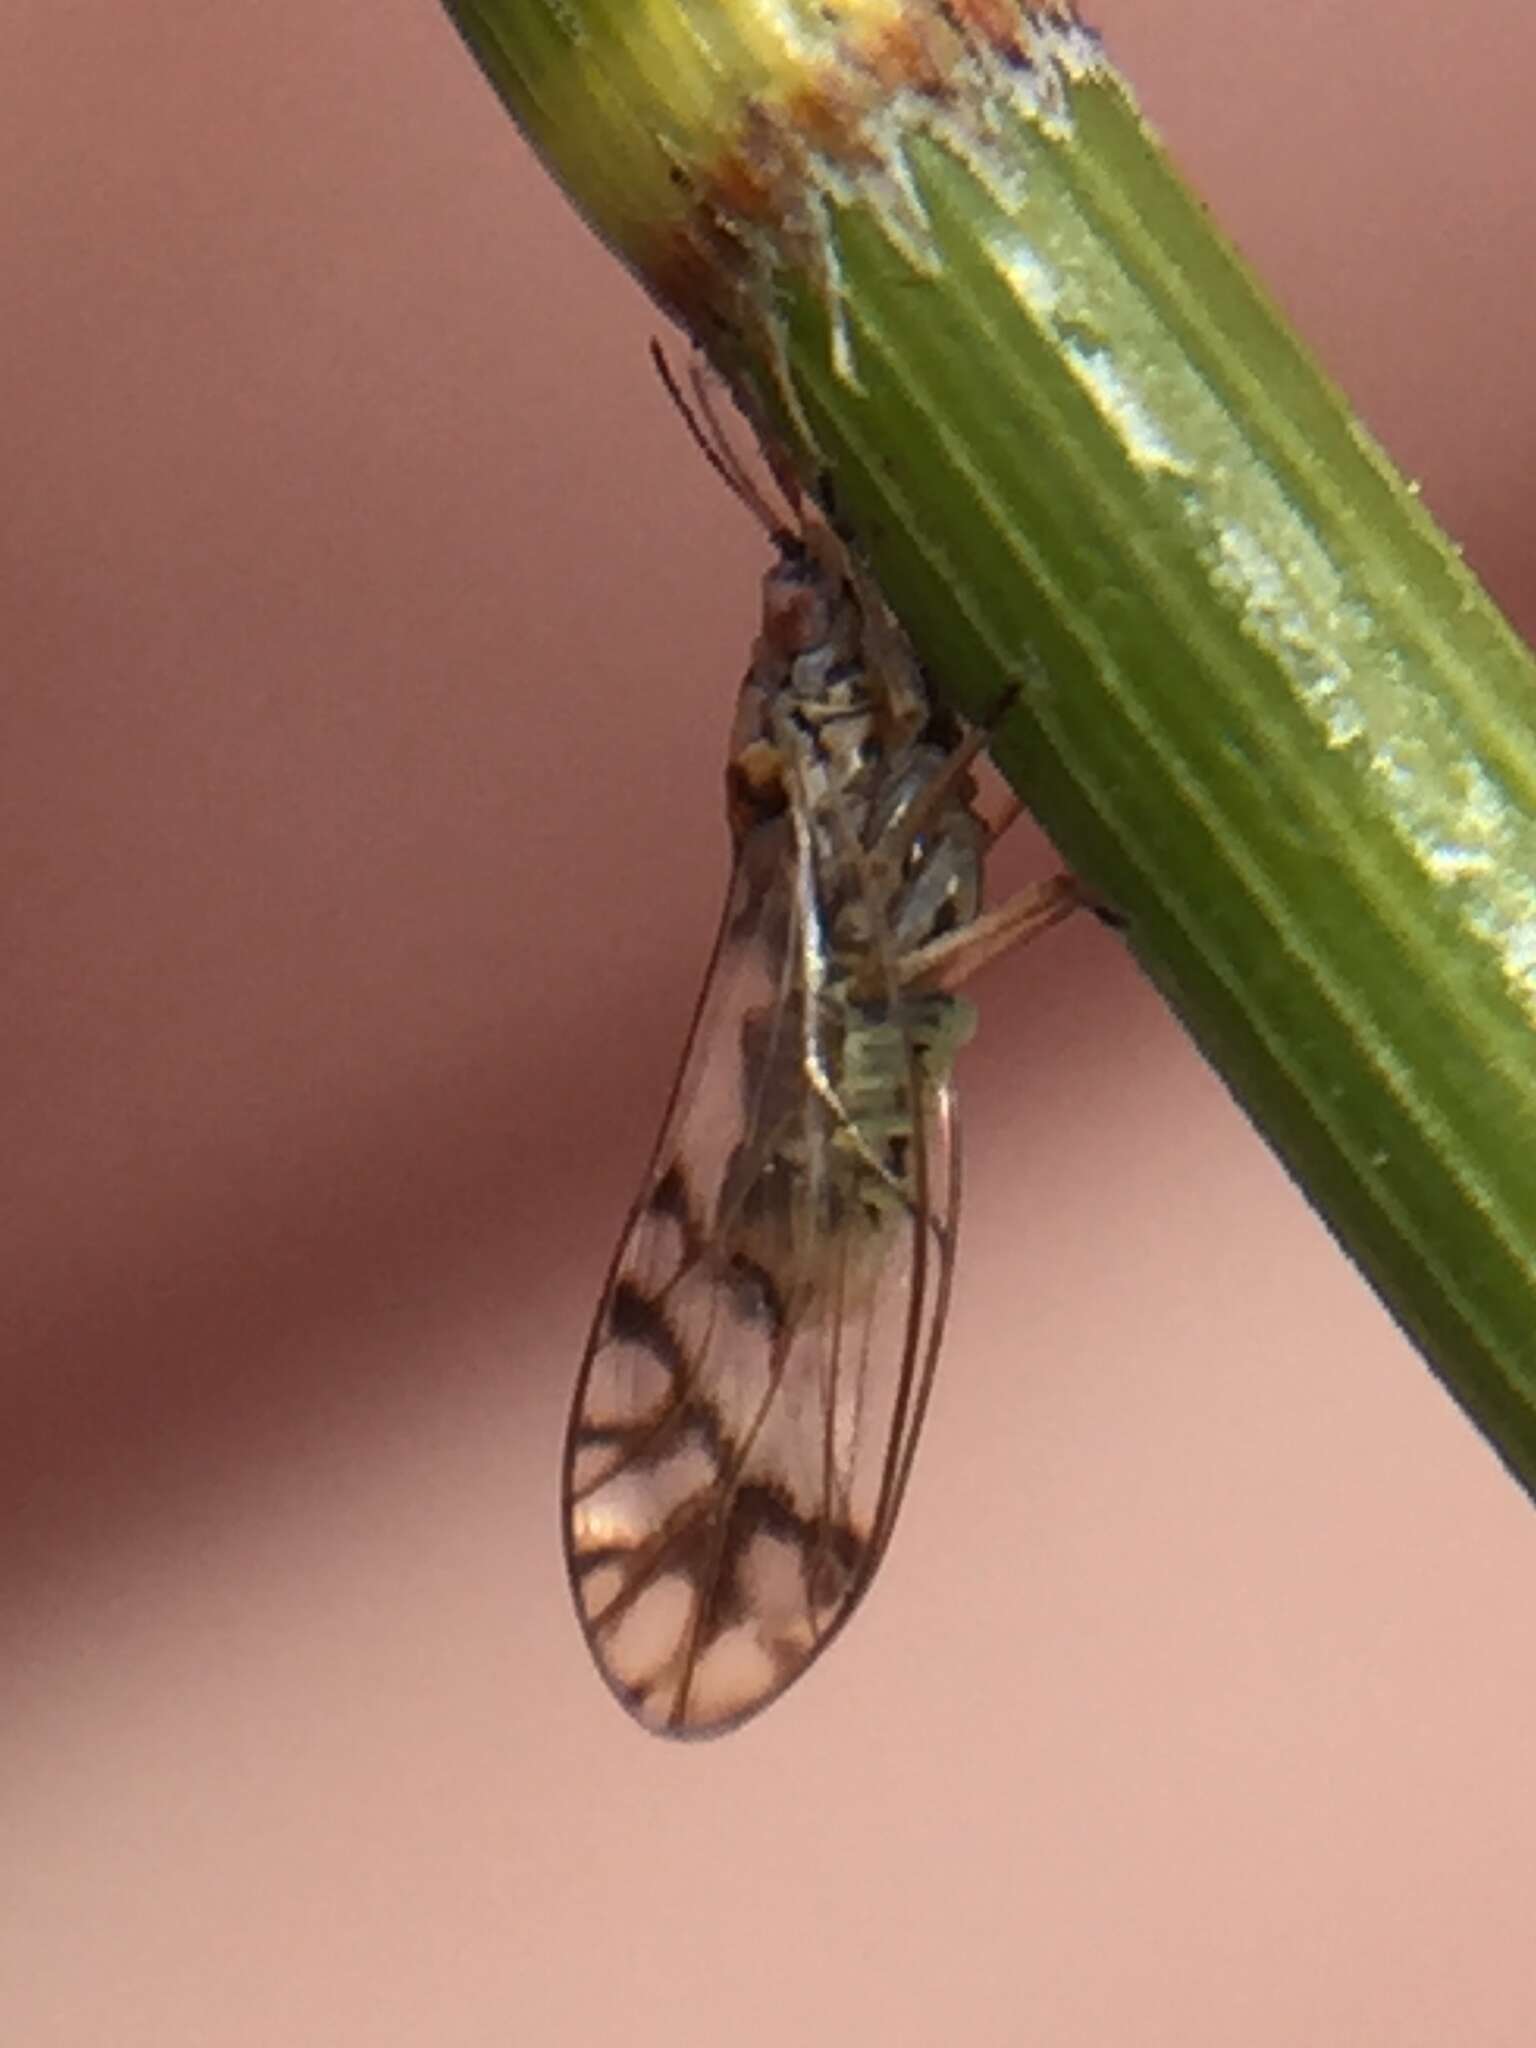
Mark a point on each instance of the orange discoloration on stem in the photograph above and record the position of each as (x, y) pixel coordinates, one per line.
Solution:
(836, 125)
(909, 52)
(996, 21)
(826, 117)
(742, 187)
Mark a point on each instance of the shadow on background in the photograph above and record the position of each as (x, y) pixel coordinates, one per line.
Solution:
(316, 1290)
(314, 1296)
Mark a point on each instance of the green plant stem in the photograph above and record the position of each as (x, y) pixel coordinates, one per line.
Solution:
(1261, 705)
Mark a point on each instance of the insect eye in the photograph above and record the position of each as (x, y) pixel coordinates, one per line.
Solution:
(754, 786)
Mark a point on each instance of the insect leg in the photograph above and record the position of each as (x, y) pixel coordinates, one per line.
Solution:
(944, 963)
(1006, 818)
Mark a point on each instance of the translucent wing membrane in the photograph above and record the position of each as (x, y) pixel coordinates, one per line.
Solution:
(757, 1376)
(758, 1372)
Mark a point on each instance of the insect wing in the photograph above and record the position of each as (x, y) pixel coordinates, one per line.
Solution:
(747, 1410)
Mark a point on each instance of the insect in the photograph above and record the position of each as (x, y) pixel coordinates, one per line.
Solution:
(758, 1372)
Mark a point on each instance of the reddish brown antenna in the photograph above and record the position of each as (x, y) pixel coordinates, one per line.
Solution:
(708, 435)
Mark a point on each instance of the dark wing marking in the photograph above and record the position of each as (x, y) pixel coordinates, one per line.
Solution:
(757, 1375)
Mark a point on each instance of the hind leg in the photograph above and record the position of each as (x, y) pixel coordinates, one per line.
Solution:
(945, 963)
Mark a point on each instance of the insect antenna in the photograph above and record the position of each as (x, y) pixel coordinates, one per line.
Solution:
(708, 435)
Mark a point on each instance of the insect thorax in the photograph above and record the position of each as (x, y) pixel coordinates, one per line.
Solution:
(858, 846)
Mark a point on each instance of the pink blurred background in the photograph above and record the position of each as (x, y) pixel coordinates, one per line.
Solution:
(369, 638)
